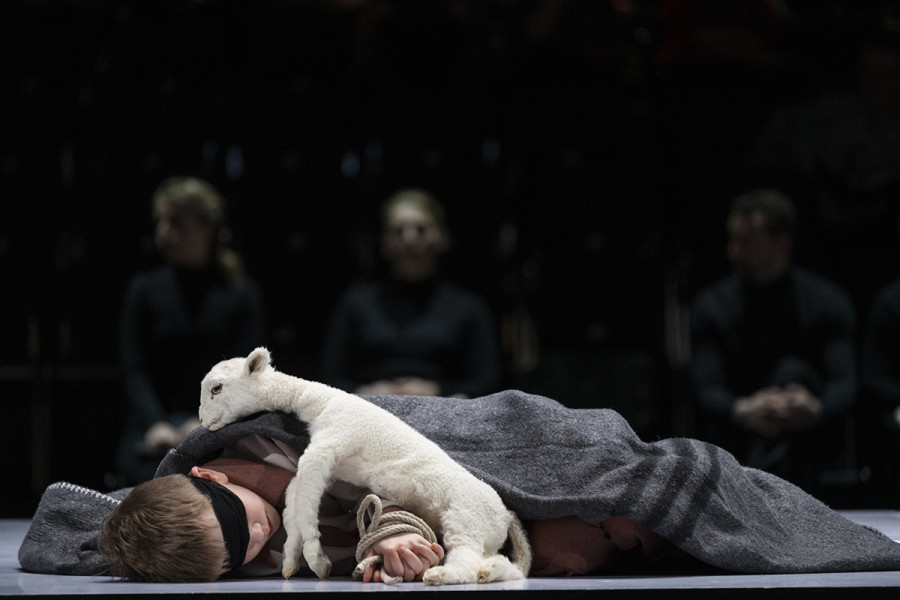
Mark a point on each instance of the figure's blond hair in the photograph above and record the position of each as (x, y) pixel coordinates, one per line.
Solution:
(203, 200)
(161, 533)
(422, 199)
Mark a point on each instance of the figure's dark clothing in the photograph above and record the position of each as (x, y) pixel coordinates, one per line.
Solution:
(881, 354)
(435, 331)
(880, 439)
(799, 329)
(175, 323)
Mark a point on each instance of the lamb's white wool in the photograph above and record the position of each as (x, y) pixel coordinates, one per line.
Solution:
(355, 441)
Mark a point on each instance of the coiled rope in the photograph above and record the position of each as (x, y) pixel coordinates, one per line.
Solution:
(384, 525)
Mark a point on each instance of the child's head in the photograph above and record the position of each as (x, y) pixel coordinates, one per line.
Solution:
(171, 529)
(164, 531)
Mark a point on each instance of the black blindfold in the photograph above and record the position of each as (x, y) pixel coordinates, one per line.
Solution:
(231, 515)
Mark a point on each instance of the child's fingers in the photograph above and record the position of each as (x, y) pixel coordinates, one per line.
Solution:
(393, 564)
(412, 561)
(438, 549)
(430, 553)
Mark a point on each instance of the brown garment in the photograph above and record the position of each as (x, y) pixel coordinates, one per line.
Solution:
(570, 546)
(270, 483)
(561, 547)
(267, 481)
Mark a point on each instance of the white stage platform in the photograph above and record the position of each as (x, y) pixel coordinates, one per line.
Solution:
(14, 582)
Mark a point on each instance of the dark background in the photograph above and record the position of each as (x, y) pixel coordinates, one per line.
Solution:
(585, 150)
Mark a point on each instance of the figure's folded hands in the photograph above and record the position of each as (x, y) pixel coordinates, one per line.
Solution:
(406, 555)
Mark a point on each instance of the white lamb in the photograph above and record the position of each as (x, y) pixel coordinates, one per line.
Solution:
(355, 441)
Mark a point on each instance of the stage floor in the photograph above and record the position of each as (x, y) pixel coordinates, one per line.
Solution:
(14, 582)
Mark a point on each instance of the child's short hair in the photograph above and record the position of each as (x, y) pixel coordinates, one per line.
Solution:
(161, 533)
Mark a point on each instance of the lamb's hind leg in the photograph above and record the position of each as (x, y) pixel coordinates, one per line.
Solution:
(301, 513)
(461, 565)
(473, 542)
(498, 568)
(501, 568)
(466, 565)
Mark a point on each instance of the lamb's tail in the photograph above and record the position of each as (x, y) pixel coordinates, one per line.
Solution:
(521, 549)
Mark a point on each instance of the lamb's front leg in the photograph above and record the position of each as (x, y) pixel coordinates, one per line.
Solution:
(301, 513)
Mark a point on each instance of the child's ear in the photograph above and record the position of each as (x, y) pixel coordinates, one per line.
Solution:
(216, 476)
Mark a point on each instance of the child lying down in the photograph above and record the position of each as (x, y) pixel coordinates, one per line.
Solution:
(354, 440)
(593, 496)
(226, 517)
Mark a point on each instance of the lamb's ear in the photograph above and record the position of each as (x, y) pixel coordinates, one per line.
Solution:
(258, 361)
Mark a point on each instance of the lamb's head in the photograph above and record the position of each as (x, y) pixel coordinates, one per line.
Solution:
(232, 389)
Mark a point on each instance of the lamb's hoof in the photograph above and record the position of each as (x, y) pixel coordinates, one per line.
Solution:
(291, 556)
(498, 568)
(288, 566)
(433, 576)
(316, 559)
(493, 569)
(322, 570)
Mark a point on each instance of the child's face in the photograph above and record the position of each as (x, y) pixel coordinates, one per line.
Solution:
(262, 518)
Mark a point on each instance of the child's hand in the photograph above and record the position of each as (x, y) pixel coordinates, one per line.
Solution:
(406, 555)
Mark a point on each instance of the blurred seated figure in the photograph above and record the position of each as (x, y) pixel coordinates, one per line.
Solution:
(178, 319)
(412, 332)
(880, 410)
(773, 362)
(840, 151)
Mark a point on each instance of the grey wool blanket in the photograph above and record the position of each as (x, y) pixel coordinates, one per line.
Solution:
(550, 461)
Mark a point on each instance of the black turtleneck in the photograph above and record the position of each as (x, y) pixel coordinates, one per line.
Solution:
(431, 330)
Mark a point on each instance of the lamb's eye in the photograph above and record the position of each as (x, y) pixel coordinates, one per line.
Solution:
(216, 389)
